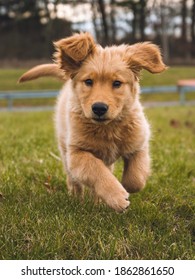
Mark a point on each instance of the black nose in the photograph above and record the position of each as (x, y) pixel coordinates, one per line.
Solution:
(99, 108)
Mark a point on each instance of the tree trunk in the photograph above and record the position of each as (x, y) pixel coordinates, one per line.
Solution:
(184, 27)
(142, 19)
(164, 35)
(113, 23)
(193, 30)
(94, 19)
(134, 23)
(193, 23)
(104, 21)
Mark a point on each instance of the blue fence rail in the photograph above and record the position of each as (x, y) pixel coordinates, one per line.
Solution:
(10, 96)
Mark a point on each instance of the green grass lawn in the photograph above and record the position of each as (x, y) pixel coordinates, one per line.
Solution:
(9, 78)
(40, 221)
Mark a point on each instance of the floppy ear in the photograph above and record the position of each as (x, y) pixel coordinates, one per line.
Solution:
(72, 51)
(144, 56)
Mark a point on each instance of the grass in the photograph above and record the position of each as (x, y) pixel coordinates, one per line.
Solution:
(9, 77)
(40, 221)
(8, 82)
(169, 77)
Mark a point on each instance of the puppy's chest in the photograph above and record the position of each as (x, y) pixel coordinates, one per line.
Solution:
(106, 150)
(106, 144)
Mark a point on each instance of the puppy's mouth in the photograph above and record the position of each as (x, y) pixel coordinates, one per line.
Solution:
(100, 120)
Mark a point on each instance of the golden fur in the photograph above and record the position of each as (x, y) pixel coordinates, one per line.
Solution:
(89, 143)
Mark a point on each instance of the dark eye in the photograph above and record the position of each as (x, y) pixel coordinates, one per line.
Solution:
(88, 82)
(116, 84)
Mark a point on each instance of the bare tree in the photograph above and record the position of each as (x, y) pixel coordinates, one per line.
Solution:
(164, 27)
(142, 19)
(104, 20)
(193, 23)
(94, 19)
(113, 22)
(184, 26)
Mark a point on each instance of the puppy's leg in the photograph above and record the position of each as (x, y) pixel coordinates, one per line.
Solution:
(136, 171)
(74, 188)
(89, 170)
(93, 193)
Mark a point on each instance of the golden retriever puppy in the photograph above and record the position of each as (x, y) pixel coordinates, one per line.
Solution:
(99, 117)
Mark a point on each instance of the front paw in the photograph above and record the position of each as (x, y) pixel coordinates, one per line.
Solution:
(115, 197)
(119, 201)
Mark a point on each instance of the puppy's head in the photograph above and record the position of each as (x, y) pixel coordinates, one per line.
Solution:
(106, 81)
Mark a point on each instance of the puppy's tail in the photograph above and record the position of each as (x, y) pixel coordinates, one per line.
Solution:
(43, 70)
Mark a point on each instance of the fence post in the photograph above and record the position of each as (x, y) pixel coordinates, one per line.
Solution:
(9, 103)
(182, 97)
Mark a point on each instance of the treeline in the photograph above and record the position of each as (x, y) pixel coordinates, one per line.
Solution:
(27, 28)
